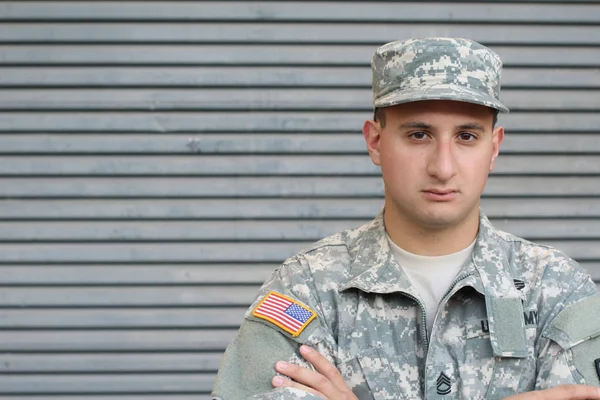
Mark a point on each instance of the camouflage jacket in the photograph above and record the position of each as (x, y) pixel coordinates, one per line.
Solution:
(518, 317)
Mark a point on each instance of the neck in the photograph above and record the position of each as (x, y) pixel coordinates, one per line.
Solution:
(424, 240)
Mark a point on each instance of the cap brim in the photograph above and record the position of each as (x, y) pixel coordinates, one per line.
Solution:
(439, 92)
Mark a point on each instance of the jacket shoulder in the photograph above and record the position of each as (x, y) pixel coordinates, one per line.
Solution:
(536, 256)
(553, 279)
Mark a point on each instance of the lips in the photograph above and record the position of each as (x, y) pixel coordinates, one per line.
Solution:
(440, 194)
(440, 191)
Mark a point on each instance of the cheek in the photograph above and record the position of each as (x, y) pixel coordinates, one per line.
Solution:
(476, 169)
(394, 159)
(399, 169)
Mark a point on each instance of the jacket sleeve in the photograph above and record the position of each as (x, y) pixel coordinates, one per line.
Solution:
(570, 353)
(248, 365)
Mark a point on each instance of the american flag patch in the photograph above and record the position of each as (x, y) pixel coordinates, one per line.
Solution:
(288, 314)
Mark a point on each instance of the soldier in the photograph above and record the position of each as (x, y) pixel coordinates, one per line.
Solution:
(429, 300)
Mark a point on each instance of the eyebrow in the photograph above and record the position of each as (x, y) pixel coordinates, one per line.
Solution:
(423, 125)
(420, 125)
(471, 126)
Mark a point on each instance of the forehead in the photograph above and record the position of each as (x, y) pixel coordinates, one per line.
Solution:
(433, 108)
(446, 112)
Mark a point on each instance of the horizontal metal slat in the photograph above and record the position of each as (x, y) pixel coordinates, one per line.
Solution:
(216, 165)
(262, 11)
(189, 230)
(253, 230)
(133, 296)
(109, 362)
(282, 188)
(224, 54)
(177, 340)
(257, 99)
(197, 318)
(212, 165)
(257, 121)
(106, 383)
(209, 143)
(293, 33)
(150, 252)
(127, 274)
(260, 76)
(258, 143)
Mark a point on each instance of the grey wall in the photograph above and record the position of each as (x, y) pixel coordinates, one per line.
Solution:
(159, 159)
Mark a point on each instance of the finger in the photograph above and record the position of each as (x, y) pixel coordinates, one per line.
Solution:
(564, 392)
(573, 392)
(324, 367)
(279, 381)
(305, 376)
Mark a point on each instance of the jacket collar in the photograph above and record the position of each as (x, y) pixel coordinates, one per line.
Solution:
(375, 270)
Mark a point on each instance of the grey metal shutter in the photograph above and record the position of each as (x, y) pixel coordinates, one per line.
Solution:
(160, 158)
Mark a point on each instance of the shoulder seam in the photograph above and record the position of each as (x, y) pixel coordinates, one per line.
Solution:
(322, 245)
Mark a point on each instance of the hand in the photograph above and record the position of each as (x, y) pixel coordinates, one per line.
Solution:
(564, 392)
(325, 382)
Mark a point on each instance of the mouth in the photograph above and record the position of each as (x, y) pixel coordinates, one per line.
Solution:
(440, 194)
(440, 191)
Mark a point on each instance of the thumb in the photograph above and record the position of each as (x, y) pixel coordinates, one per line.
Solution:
(564, 392)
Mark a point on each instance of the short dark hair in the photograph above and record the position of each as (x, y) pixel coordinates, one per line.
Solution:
(379, 115)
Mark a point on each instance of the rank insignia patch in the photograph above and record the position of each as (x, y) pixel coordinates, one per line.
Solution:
(287, 313)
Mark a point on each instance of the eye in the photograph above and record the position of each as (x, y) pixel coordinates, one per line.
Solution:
(418, 135)
(467, 137)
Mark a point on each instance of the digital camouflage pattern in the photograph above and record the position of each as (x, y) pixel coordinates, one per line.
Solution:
(370, 322)
(436, 69)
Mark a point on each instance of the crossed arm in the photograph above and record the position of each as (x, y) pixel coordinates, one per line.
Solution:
(327, 382)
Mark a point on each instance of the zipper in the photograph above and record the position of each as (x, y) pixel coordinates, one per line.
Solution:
(450, 289)
(424, 332)
(423, 320)
(452, 285)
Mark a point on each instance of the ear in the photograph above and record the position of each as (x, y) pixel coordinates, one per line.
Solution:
(372, 134)
(497, 138)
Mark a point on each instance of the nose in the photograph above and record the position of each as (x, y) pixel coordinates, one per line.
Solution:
(441, 163)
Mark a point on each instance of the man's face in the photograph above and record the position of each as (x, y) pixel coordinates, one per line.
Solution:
(435, 157)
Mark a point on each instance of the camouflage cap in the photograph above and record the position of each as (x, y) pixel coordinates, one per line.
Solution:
(436, 69)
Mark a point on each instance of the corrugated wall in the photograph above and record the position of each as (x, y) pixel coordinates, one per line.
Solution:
(160, 158)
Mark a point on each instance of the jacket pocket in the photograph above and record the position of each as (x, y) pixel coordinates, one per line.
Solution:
(370, 376)
(485, 375)
(512, 375)
(477, 340)
(475, 361)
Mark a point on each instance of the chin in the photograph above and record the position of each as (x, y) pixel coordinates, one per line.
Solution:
(438, 223)
(442, 219)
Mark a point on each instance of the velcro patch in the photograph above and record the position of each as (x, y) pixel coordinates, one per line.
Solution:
(284, 312)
